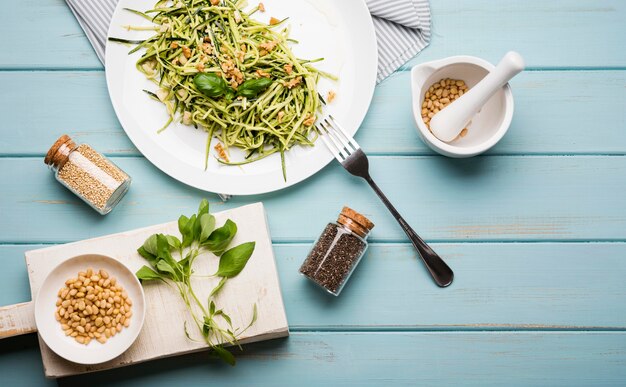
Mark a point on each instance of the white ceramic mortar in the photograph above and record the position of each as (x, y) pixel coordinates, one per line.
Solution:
(486, 128)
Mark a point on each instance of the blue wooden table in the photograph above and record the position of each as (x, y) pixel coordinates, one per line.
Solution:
(535, 229)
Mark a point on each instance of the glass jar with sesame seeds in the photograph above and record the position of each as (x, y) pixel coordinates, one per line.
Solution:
(87, 173)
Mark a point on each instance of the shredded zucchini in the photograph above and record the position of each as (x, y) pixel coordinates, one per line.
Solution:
(230, 100)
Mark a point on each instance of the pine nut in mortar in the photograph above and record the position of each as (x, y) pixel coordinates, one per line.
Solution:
(441, 94)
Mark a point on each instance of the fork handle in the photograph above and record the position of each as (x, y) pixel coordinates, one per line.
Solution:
(439, 270)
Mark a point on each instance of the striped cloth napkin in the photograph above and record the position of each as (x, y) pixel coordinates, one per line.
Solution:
(402, 28)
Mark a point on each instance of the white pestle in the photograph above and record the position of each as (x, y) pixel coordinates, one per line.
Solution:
(449, 122)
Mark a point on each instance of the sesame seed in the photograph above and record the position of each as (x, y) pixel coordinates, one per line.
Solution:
(92, 176)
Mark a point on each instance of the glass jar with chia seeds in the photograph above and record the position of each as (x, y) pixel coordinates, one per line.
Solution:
(337, 252)
(87, 173)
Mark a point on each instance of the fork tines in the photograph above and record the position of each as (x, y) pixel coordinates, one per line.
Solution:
(341, 144)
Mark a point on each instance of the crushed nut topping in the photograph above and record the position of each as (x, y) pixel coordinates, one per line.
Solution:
(261, 7)
(268, 46)
(174, 45)
(233, 73)
(280, 116)
(221, 152)
(292, 83)
(331, 96)
(207, 48)
(262, 73)
(308, 120)
(289, 68)
(215, 2)
(186, 52)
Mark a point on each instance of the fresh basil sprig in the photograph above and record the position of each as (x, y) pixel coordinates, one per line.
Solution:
(253, 87)
(211, 85)
(219, 239)
(214, 86)
(199, 235)
(234, 260)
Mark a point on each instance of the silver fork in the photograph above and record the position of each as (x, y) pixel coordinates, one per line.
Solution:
(354, 160)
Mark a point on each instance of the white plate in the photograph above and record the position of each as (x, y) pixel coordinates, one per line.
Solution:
(50, 330)
(339, 31)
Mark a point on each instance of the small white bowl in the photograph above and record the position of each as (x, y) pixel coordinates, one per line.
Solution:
(486, 128)
(50, 330)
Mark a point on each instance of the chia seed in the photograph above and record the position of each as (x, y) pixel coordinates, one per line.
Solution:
(337, 251)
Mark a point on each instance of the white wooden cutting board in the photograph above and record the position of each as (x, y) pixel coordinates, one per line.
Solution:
(163, 331)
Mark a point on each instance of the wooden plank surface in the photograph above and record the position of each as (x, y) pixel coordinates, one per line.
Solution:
(20, 362)
(407, 359)
(556, 33)
(508, 286)
(370, 359)
(374, 335)
(483, 198)
(43, 34)
(554, 114)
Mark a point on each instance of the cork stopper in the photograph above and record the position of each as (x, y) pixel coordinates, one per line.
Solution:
(59, 152)
(355, 222)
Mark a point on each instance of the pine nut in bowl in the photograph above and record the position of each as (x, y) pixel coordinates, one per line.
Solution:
(485, 129)
(90, 309)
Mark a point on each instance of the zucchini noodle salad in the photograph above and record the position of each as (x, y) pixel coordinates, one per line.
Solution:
(236, 78)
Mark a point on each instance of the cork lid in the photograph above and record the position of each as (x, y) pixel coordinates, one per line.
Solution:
(59, 151)
(355, 222)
